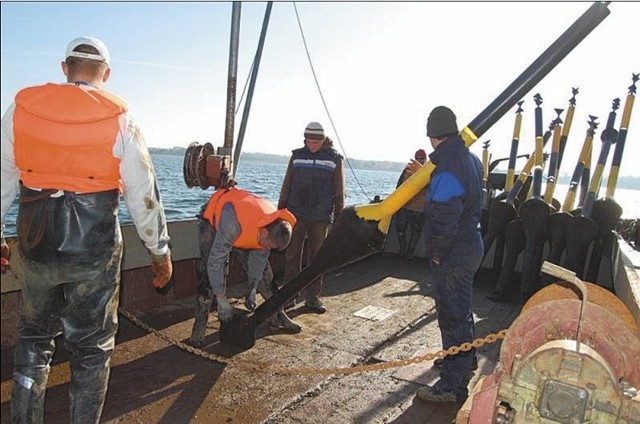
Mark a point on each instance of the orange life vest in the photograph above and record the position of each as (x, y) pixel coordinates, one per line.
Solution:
(252, 212)
(64, 137)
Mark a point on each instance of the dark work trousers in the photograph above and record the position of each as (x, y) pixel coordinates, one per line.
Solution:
(409, 226)
(316, 232)
(453, 281)
(71, 248)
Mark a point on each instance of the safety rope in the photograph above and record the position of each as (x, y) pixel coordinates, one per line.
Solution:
(324, 103)
(270, 368)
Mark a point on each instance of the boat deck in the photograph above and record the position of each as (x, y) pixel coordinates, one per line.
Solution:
(153, 381)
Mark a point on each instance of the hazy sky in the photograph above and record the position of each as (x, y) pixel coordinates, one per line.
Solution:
(381, 67)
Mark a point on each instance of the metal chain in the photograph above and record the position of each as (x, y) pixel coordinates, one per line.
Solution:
(268, 368)
(171, 340)
(464, 347)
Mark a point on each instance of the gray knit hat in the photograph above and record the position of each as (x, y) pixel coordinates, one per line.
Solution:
(314, 131)
(441, 122)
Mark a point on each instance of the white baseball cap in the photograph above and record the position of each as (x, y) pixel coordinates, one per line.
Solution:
(103, 52)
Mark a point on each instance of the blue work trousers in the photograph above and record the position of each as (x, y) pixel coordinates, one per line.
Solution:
(453, 281)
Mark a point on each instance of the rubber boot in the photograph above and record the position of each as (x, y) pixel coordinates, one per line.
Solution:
(27, 397)
(281, 319)
(87, 396)
(203, 305)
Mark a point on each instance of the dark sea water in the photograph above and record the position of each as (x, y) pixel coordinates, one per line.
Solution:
(265, 179)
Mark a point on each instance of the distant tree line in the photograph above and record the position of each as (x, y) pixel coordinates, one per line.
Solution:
(282, 159)
(631, 183)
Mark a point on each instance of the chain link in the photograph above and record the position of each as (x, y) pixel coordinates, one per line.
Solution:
(268, 368)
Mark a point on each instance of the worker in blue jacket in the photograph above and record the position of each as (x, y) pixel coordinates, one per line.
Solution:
(453, 249)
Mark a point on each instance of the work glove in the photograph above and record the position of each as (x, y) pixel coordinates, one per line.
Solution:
(6, 256)
(225, 310)
(250, 301)
(162, 269)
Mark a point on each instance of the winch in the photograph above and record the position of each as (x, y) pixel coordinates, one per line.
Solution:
(571, 356)
(204, 168)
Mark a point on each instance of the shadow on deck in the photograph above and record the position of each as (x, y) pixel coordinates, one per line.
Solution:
(155, 382)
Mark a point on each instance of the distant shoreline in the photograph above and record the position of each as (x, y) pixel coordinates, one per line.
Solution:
(628, 183)
(370, 165)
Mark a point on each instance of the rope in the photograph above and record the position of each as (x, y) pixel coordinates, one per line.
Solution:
(246, 83)
(324, 103)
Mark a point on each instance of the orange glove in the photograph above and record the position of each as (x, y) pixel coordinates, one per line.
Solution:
(6, 255)
(162, 269)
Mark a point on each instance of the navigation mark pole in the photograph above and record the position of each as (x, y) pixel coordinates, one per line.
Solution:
(583, 229)
(606, 211)
(534, 213)
(559, 221)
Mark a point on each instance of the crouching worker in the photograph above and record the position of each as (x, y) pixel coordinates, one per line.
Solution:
(235, 218)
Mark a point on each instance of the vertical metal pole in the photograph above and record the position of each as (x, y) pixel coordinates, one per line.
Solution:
(232, 80)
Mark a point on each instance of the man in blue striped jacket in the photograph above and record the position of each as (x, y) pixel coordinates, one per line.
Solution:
(313, 190)
(453, 248)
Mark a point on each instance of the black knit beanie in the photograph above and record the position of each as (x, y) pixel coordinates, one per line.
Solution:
(441, 122)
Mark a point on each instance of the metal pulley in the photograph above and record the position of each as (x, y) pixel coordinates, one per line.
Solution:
(203, 168)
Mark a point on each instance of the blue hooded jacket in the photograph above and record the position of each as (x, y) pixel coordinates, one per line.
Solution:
(454, 200)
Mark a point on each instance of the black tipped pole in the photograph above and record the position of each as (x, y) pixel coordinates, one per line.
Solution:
(583, 229)
(500, 213)
(503, 212)
(584, 182)
(534, 213)
(567, 122)
(554, 161)
(514, 235)
(612, 181)
(371, 222)
(486, 191)
(608, 137)
(513, 154)
(559, 221)
(606, 211)
(583, 159)
(538, 164)
(505, 223)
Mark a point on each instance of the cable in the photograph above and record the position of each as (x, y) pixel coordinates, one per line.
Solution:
(246, 83)
(304, 41)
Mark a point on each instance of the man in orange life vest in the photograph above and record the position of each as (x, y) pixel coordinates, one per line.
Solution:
(235, 218)
(74, 148)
